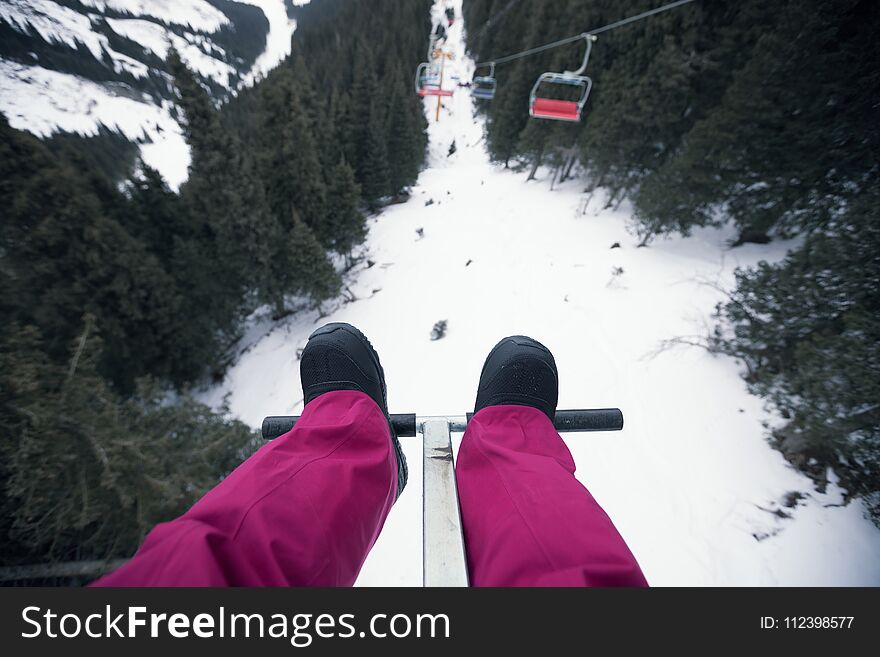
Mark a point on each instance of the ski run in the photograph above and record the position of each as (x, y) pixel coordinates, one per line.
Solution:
(691, 482)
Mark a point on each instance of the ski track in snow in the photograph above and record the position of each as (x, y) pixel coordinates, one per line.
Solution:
(44, 101)
(278, 41)
(690, 481)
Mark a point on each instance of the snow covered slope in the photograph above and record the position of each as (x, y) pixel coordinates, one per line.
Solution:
(75, 68)
(690, 482)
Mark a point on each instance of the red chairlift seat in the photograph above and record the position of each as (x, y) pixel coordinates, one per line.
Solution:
(561, 110)
(427, 84)
(433, 91)
(542, 107)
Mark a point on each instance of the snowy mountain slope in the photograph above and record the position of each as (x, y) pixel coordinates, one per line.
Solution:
(281, 27)
(75, 66)
(690, 482)
(191, 13)
(43, 101)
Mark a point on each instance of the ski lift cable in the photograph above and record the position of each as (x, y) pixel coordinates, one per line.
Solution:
(587, 34)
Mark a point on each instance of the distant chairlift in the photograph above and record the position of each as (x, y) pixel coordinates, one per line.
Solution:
(483, 86)
(542, 107)
(428, 81)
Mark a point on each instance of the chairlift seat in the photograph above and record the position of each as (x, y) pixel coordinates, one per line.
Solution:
(483, 88)
(427, 84)
(433, 91)
(541, 107)
(561, 110)
(481, 93)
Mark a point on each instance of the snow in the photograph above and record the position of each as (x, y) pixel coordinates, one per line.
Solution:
(197, 14)
(690, 482)
(44, 101)
(58, 24)
(54, 23)
(278, 41)
(158, 40)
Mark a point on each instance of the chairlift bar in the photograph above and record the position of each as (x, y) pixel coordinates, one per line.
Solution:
(406, 425)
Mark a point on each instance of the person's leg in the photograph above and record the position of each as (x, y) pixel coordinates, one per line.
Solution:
(527, 520)
(306, 508)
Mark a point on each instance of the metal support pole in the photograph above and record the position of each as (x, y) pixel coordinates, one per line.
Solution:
(440, 98)
(444, 554)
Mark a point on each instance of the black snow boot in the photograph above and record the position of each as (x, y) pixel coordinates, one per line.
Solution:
(519, 371)
(339, 357)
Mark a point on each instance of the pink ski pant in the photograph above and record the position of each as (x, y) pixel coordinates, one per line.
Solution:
(307, 507)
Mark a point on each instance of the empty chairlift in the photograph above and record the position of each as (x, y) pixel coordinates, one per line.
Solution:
(483, 86)
(544, 106)
(428, 81)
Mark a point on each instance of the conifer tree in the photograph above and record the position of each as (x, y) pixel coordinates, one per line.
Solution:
(374, 174)
(329, 137)
(291, 168)
(301, 269)
(368, 131)
(311, 272)
(807, 330)
(509, 115)
(67, 253)
(225, 197)
(405, 148)
(344, 218)
(87, 472)
(156, 216)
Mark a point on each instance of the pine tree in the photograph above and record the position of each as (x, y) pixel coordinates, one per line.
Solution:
(368, 131)
(374, 175)
(329, 133)
(344, 218)
(87, 473)
(67, 254)
(156, 216)
(236, 230)
(291, 169)
(310, 270)
(509, 115)
(406, 150)
(201, 124)
(301, 268)
(807, 330)
(533, 144)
